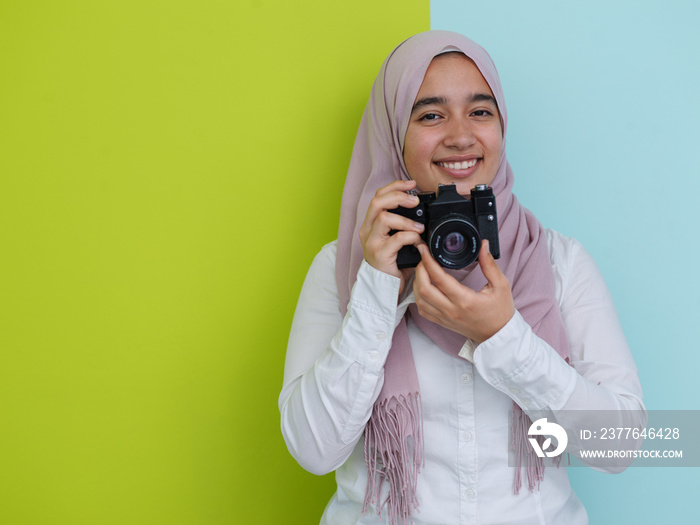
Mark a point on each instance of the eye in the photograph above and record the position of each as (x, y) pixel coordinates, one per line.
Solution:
(429, 117)
(482, 113)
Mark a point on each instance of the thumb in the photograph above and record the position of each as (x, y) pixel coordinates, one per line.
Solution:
(488, 265)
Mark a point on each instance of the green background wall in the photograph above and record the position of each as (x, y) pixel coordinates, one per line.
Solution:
(167, 170)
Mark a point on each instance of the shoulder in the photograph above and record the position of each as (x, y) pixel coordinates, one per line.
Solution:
(329, 250)
(559, 245)
(563, 250)
(325, 258)
(322, 269)
(569, 259)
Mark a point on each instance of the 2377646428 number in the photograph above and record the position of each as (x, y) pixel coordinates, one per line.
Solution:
(639, 433)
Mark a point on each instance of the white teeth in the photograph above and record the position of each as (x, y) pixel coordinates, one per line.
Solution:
(458, 165)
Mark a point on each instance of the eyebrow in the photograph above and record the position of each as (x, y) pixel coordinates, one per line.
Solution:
(477, 97)
(428, 101)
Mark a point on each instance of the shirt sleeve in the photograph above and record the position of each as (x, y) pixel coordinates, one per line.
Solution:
(334, 365)
(601, 376)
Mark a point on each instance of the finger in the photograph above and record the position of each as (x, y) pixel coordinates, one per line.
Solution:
(391, 197)
(378, 237)
(448, 285)
(424, 287)
(397, 185)
(400, 239)
(431, 265)
(382, 252)
(490, 269)
(387, 246)
(388, 221)
(388, 201)
(428, 311)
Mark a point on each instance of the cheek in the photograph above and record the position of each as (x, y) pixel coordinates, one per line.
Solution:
(412, 152)
(417, 150)
(494, 142)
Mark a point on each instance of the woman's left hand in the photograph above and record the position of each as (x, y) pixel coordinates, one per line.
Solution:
(444, 300)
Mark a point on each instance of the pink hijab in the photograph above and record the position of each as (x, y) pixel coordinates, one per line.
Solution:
(393, 437)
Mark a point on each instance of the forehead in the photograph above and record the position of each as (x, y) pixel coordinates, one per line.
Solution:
(455, 72)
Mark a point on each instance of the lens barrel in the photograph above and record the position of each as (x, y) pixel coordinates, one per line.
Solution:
(454, 241)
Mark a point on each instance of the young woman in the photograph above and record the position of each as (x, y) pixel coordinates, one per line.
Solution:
(418, 386)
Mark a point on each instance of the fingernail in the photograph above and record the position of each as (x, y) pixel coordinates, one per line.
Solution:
(420, 227)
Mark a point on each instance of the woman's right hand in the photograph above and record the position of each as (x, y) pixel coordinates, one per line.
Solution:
(379, 247)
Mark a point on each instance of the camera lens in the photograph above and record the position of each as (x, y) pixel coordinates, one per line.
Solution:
(454, 241)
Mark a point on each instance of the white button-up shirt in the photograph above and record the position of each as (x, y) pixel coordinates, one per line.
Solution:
(334, 372)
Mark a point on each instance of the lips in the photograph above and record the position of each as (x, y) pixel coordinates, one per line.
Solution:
(464, 165)
(456, 168)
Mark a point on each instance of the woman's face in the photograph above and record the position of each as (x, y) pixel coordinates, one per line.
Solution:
(454, 134)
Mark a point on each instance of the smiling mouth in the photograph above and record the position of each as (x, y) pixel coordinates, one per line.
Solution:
(465, 165)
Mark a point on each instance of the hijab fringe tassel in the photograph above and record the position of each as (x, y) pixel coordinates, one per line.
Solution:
(534, 464)
(394, 453)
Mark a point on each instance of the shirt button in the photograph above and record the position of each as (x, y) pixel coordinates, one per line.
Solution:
(465, 378)
(526, 403)
(381, 336)
(469, 493)
(514, 391)
(466, 436)
(373, 355)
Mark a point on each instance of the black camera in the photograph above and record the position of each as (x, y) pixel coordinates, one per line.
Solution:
(454, 226)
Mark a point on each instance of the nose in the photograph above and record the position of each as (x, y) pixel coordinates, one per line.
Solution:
(460, 134)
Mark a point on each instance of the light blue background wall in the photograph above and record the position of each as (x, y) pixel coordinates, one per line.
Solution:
(604, 126)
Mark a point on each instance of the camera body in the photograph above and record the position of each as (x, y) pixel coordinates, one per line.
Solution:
(454, 226)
